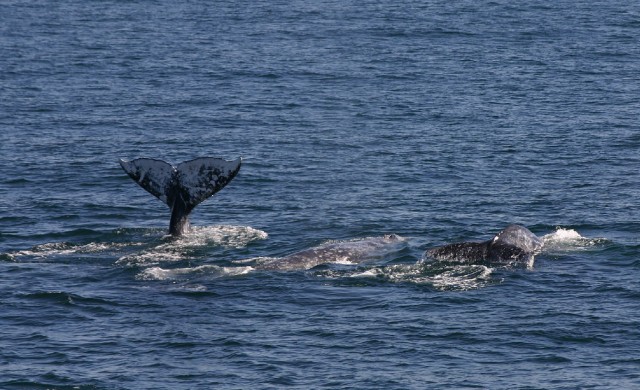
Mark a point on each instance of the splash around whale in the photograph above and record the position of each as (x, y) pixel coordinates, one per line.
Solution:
(184, 186)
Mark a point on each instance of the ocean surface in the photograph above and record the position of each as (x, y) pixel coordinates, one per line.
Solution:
(437, 121)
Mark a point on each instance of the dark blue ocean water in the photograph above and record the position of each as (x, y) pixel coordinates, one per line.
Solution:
(439, 121)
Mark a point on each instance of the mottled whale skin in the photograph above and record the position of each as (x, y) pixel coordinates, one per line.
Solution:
(337, 252)
(184, 186)
(513, 245)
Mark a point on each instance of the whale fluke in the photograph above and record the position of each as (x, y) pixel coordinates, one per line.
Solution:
(515, 244)
(184, 186)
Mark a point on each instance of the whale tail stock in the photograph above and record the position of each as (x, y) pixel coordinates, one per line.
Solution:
(184, 186)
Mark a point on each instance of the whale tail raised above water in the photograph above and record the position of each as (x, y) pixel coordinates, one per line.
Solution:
(184, 186)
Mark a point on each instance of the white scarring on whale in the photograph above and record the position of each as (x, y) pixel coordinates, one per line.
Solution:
(184, 186)
(513, 245)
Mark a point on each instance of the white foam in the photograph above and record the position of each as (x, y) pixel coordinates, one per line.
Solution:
(211, 271)
(156, 273)
(467, 277)
(566, 240)
(224, 235)
(562, 235)
(169, 251)
(157, 255)
(257, 260)
(65, 248)
(370, 273)
(178, 249)
(459, 277)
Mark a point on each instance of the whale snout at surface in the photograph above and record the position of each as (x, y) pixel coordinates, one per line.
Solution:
(512, 246)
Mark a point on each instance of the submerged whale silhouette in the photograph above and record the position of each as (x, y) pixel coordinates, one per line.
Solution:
(184, 186)
(513, 245)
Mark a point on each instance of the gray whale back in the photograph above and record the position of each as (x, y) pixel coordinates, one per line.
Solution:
(514, 244)
(184, 186)
(340, 252)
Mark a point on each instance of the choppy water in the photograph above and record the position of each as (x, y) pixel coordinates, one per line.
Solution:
(436, 121)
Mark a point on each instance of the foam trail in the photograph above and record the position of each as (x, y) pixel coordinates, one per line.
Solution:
(438, 277)
(224, 235)
(53, 249)
(208, 271)
(180, 248)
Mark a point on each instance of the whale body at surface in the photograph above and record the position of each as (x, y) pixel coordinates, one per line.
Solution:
(513, 245)
(184, 186)
(337, 252)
